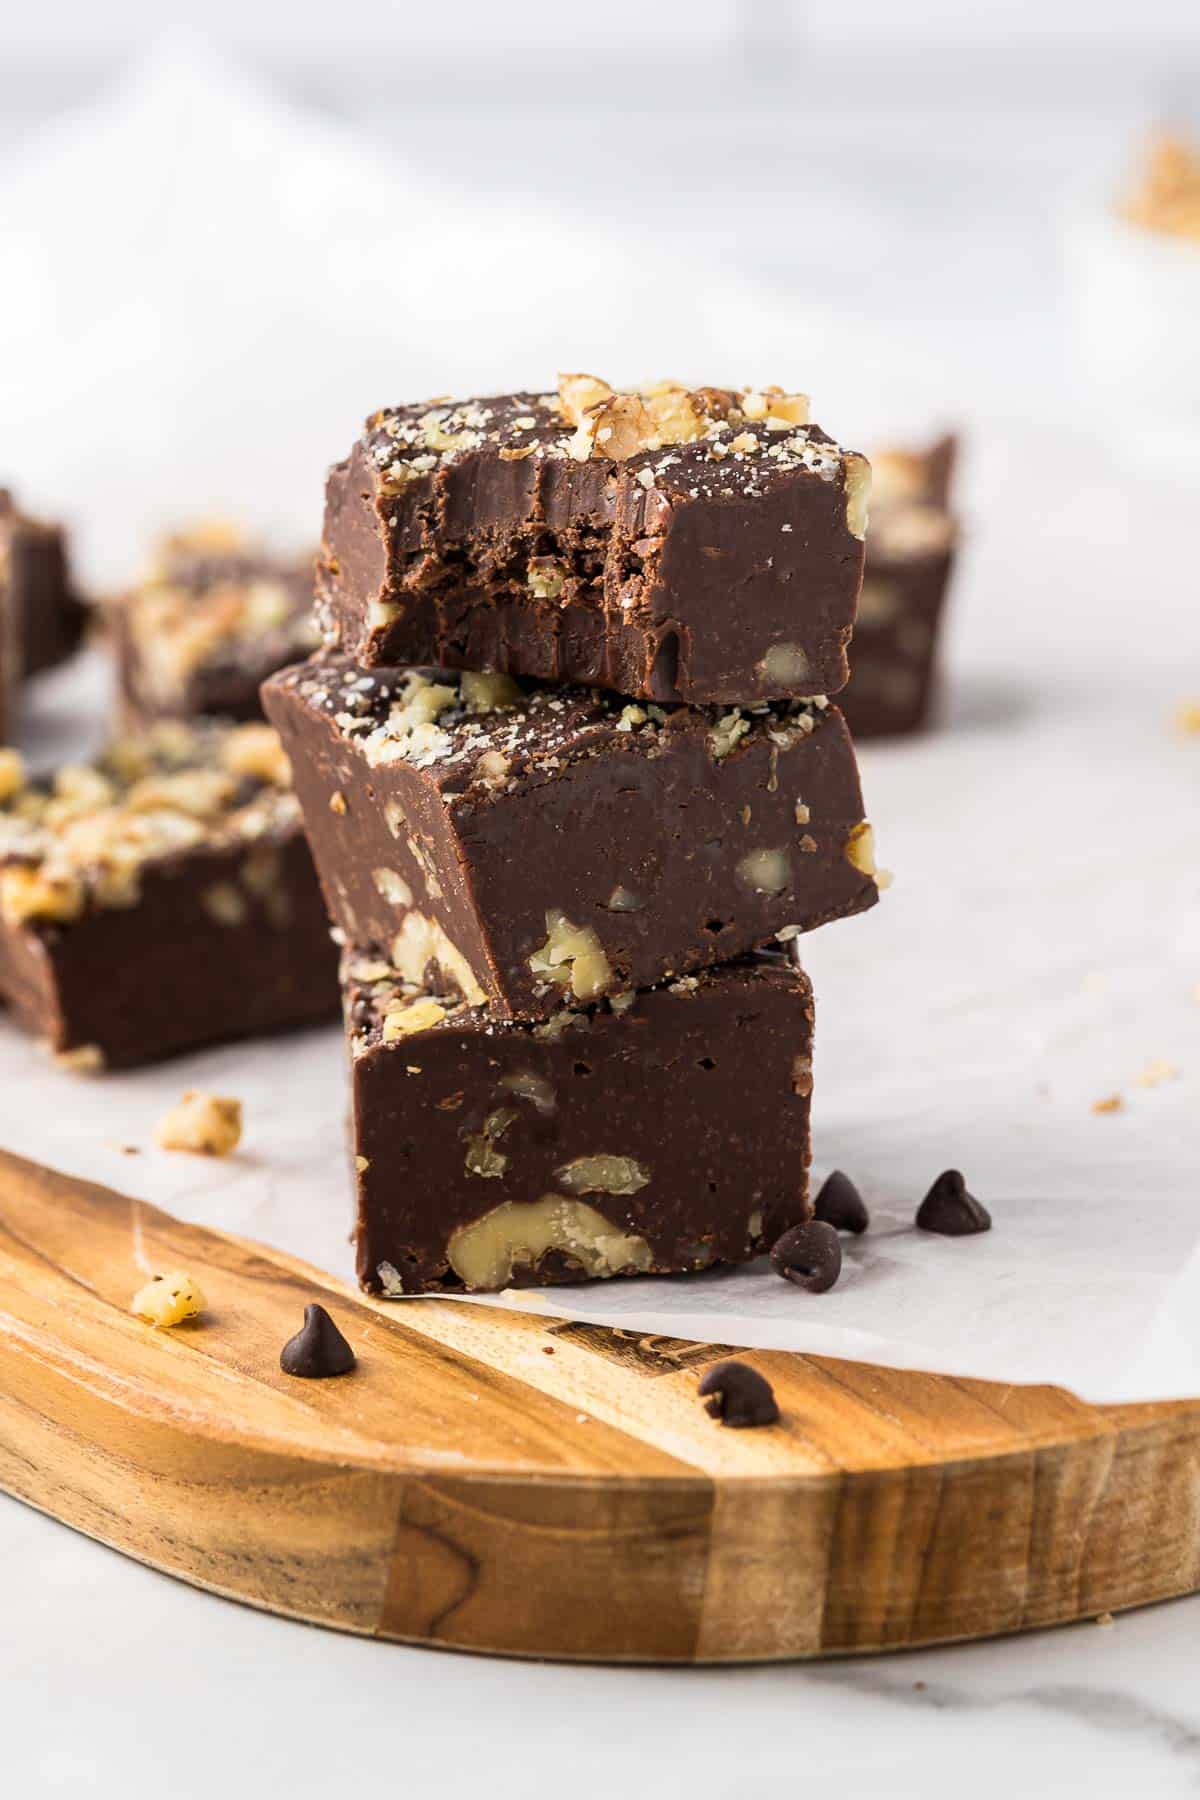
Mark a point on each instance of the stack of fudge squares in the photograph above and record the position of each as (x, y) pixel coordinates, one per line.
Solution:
(573, 790)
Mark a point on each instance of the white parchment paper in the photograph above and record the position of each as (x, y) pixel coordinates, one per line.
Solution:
(1040, 949)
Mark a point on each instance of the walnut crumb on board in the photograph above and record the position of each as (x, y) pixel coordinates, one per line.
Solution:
(209, 1124)
(168, 1299)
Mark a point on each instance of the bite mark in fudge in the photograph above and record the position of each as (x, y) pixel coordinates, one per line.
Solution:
(699, 545)
(212, 618)
(160, 899)
(668, 1133)
(910, 555)
(518, 846)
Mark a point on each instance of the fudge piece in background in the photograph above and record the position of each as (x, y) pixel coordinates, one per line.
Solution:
(42, 618)
(212, 618)
(513, 845)
(662, 1131)
(35, 581)
(704, 546)
(160, 898)
(910, 554)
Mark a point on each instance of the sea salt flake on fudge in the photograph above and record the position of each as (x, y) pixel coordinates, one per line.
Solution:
(518, 846)
(213, 616)
(669, 1133)
(702, 545)
(160, 899)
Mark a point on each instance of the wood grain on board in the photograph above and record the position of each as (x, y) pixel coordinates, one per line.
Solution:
(495, 1481)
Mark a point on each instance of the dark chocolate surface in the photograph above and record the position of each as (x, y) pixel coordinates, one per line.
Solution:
(479, 847)
(160, 900)
(717, 570)
(668, 1134)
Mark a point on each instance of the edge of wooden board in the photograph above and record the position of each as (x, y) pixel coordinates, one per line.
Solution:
(508, 1483)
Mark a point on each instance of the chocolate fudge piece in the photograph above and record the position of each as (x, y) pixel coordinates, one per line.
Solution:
(213, 617)
(10, 655)
(660, 1131)
(44, 615)
(513, 845)
(160, 899)
(910, 555)
(703, 546)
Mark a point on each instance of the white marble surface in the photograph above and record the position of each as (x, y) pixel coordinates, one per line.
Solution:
(116, 1681)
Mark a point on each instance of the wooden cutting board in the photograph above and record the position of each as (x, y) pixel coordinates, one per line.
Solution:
(492, 1481)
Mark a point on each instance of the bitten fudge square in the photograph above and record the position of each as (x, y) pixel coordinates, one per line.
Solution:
(911, 548)
(518, 845)
(212, 617)
(671, 544)
(160, 898)
(656, 1132)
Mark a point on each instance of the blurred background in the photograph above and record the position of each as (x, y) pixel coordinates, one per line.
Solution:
(231, 230)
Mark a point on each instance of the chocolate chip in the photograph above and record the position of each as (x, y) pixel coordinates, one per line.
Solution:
(949, 1210)
(809, 1255)
(740, 1395)
(317, 1349)
(840, 1204)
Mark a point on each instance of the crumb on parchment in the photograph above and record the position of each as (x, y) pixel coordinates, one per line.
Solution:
(1155, 1072)
(208, 1124)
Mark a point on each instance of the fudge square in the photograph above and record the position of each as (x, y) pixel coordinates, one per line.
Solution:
(656, 1132)
(671, 544)
(44, 616)
(518, 845)
(213, 616)
(160, 899)
(910, 557)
